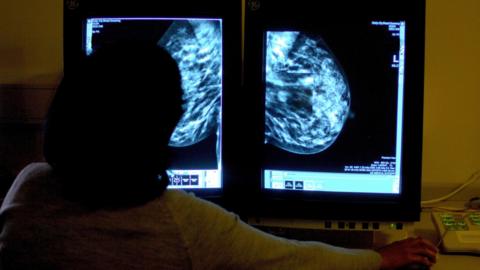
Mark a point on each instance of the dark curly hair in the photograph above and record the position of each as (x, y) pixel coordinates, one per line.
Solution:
(109, 124)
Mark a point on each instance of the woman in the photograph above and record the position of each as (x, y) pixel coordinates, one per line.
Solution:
(99, 203)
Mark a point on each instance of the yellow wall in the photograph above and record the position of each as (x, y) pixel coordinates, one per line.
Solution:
(31, 53)
(31, 42)
(452, 91)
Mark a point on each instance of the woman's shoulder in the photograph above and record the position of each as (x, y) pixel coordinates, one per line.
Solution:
(185, 199)
(187, 207)
(31, 179)
(34, 175)
(179, 197)
(35, 170)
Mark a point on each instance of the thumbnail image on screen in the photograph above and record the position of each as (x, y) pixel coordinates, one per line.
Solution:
(334, 108)
(196, 46)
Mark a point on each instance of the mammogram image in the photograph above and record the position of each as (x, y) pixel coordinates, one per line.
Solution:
(196, 45)
(307, 98)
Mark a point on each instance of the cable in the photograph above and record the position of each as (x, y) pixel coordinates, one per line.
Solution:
(472, 179)
(442, 237)
(448, 209)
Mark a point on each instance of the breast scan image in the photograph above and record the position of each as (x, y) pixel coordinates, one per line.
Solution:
(196, 45)
(307, 98)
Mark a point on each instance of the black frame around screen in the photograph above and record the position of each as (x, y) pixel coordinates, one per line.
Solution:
(75, 16)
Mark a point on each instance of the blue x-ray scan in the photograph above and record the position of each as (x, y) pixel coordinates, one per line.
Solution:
(196, 45)
(307, 96)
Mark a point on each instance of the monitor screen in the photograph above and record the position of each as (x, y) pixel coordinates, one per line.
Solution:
(340, 97)
(196, 45)
(333, 113)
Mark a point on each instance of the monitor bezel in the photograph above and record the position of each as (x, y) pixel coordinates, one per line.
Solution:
(267, 15)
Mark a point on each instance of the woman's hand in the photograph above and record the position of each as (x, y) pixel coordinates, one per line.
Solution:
(406, 252)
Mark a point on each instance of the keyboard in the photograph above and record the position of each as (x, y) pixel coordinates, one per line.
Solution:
(459, 232)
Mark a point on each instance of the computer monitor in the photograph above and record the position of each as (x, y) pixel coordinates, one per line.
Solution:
(340, 92)
(194, 35)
